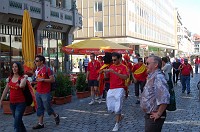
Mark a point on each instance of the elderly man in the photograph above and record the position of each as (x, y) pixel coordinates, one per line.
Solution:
(155, 96)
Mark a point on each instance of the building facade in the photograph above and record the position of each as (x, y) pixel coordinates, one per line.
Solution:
(54, 22)
(184, 39)
(147, 26)
(196, 39)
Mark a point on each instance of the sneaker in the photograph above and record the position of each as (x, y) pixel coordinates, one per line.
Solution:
(137, 102)
(92, 102)
(57, 119)
(116, 128)
(38, 126)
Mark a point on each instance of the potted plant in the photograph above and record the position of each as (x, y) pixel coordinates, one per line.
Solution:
(6, 102)
(63, 93)
(82, 90)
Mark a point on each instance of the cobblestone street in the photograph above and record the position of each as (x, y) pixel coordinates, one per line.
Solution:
(78, 116)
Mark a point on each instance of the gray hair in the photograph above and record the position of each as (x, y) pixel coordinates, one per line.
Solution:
(158, 60)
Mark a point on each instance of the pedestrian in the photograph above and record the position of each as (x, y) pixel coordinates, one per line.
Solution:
(139, 73)
(85, 63)
(117, 73)
(80, 65)
(196, 62)
(176, 71)
(167, 69)
(56, 64)
(44, 78)
(92, 78)
(17, 98)
(155, 97)
(186, 70)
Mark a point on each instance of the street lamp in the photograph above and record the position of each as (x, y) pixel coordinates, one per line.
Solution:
(49, 26)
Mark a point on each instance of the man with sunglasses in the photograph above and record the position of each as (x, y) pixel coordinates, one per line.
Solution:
(155, 96)
(44, 78)
(117, 73)
(139, 73)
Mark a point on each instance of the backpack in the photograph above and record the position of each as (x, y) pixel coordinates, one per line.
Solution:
(54, 84)
(26, 92)
(172, 101)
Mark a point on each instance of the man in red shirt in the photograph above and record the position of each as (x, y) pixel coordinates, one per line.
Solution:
(92, 76)
(186, 69)
(117, 73)
(44, 78)
(139, 72)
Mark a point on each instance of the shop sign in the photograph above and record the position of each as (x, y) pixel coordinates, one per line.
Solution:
(15, 20)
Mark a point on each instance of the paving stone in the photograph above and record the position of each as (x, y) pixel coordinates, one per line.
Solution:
(78, 116)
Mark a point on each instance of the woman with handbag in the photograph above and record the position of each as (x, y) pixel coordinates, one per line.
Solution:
(17, 98)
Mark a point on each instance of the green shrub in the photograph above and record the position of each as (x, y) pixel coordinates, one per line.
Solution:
(64, 85)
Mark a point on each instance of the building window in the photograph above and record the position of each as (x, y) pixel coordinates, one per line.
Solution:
(98, 6)
(98, 26)
(2, 39)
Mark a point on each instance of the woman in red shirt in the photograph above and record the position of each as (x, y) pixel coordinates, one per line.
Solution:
(17, 99)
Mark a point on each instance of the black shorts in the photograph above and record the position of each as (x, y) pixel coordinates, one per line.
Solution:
(93, 83)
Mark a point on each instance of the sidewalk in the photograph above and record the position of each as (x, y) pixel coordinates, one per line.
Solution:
(78, 116)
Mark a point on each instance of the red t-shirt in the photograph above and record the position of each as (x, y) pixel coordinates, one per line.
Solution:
(128, 64)
(44, 87)
(93, 68)
(116, 81)
(139, 77)
(16, 93)
(197, 61)
(186, 69)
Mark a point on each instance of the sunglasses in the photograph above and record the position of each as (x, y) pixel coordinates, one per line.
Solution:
(37, 60)
(114, 59)
(149, 63)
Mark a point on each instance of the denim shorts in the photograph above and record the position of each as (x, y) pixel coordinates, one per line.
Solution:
(43, 103)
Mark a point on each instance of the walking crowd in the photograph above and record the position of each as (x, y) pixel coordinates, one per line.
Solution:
(108, 78)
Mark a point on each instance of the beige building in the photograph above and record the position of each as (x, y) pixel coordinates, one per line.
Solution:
(147, 26)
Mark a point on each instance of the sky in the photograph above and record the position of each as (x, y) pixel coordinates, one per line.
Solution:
(190, 13)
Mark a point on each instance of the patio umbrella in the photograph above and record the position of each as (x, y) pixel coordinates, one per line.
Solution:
(28, 42)
(96, 45)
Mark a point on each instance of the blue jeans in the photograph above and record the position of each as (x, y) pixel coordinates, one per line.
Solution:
(17, 112)
(43, 103)
(185, 81)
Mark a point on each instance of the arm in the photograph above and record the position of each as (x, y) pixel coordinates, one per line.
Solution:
(122, 76)
(5, 91)
(161, 109)
(51, 79)
(87, 75)
(23, 81)
(180, 67)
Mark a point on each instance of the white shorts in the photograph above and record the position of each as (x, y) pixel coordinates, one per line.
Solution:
(115, 99)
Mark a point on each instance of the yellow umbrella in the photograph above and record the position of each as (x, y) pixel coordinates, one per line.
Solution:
(95, 45)
(28, 42)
